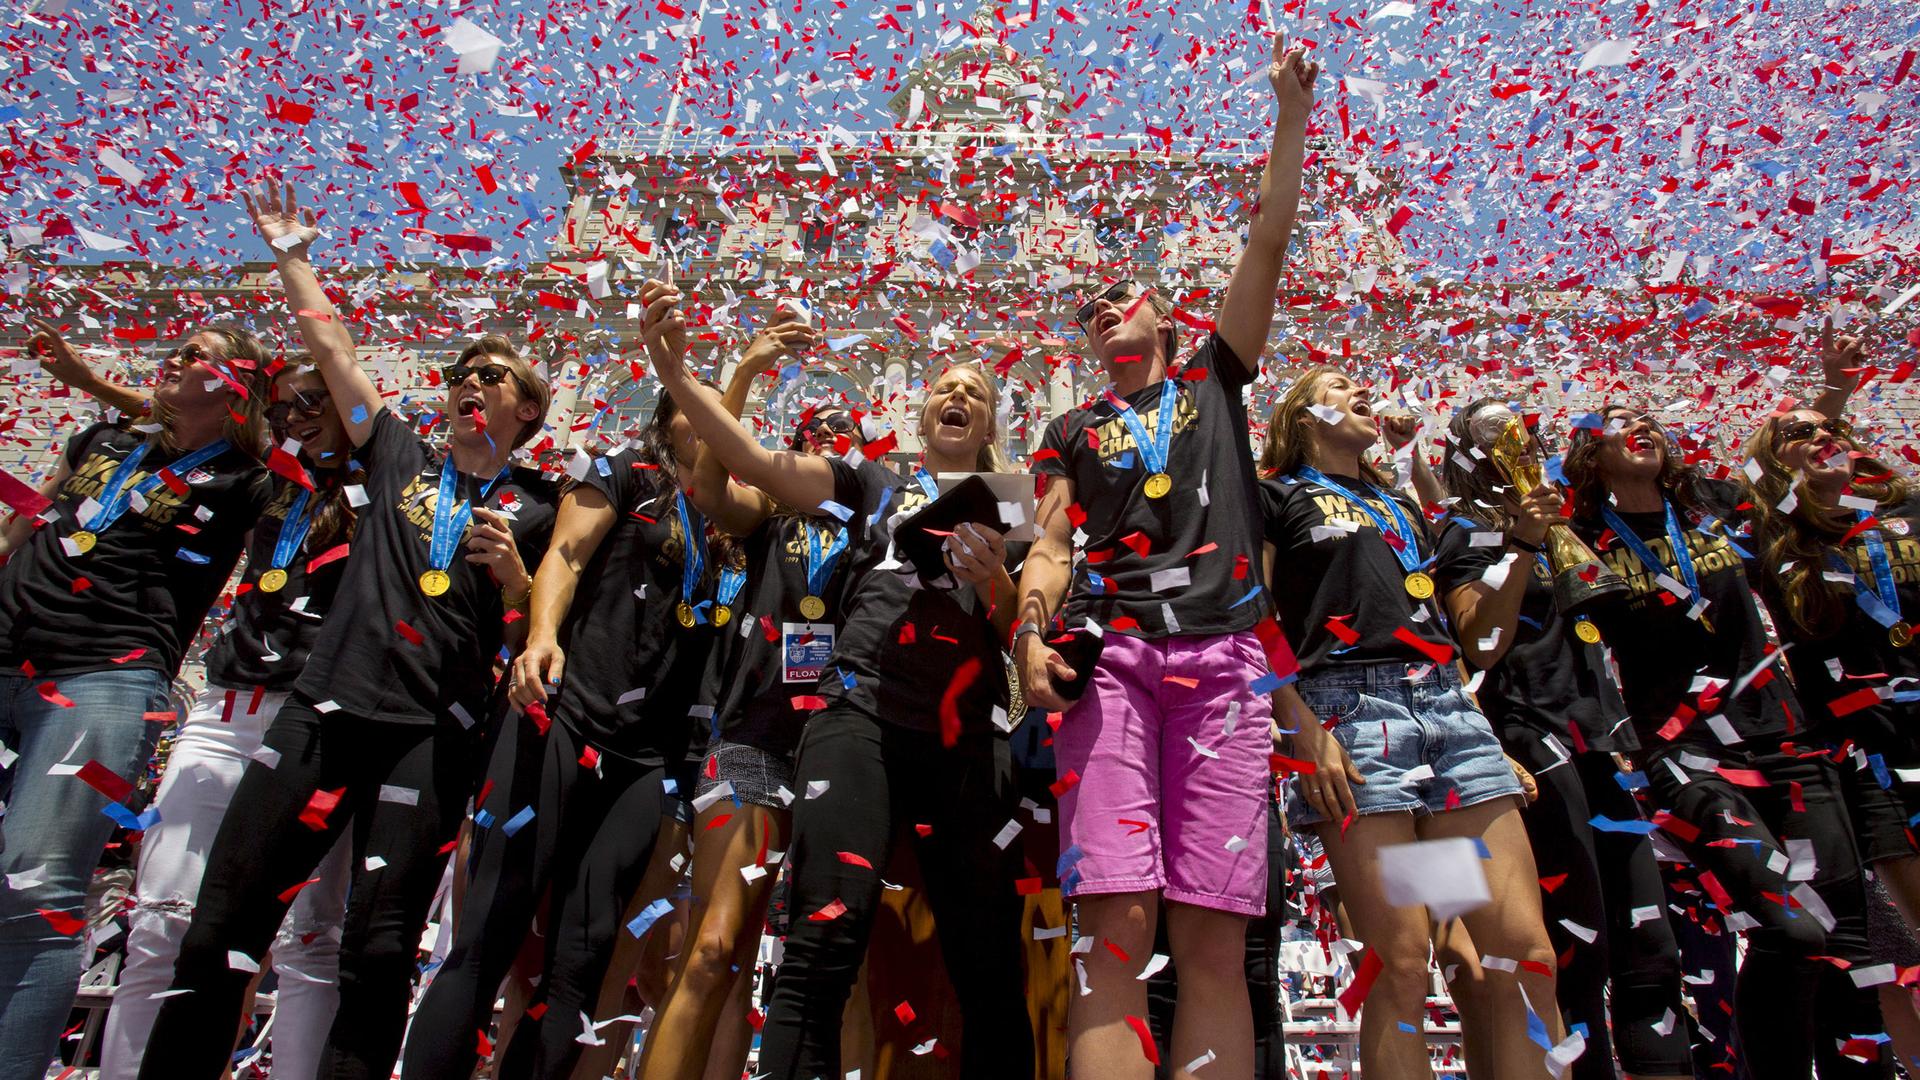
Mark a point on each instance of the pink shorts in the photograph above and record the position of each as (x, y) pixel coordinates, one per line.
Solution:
(1173, 781)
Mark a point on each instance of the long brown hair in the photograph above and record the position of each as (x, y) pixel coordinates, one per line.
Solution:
(245, 359)
(1291, 431)
(1677, 479)
(1794, 545)
(1482, 490)
(334, 519)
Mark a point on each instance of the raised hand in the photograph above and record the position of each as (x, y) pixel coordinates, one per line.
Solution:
(1840, 357)
(286, 227)
(58, 359)
(1399, 430)
(786, 336)
(664, 328)
(1292, 75)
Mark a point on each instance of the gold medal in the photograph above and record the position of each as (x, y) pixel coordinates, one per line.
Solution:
(1587, 632)
(722, 615)
(1901, 634)
(435, 582)
(1420, 585)
(813, 607)
(273, 580)
(1158, 485)
(83, 541)
(685, 612)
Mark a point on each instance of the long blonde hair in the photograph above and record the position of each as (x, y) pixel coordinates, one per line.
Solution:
(1292, 431)
(992, 456)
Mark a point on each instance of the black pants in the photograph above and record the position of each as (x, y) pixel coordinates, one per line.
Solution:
(883, 779)
(1604, 882)
(1792, 1010)
(403, 789)
(591, 836)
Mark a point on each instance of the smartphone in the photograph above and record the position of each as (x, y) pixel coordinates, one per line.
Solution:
(1080, 649)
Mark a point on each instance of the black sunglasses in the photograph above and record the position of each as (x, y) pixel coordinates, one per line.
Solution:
(307, 404)
(191, 354)
(1113, 294)
(838, 423)
(1802, 430)
(488, 374)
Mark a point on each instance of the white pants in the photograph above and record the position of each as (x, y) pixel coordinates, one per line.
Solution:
(209, 755)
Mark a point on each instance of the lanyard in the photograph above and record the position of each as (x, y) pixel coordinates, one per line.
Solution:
(293, 530)
(694, 543)
(730, 582)
(1676, 539)
(118, 498)
(1881, 601)
(1152, 447)
(1399, 535)
(820, 563)
(450, 520)
(927, 486)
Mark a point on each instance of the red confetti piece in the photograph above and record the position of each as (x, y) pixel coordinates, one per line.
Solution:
(413, 636)
(852, 859)
(63, 923)
(1147, 1047)
(829, 913)
(320, 804)
(105, 781)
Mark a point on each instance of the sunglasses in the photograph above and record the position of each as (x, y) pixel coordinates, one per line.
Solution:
(306, 404)
(838, 423)
(1113, 294)
(190, 354)
(1802, 430)
(488, 374)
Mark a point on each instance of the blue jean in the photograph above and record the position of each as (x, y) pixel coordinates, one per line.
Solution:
(54, 832)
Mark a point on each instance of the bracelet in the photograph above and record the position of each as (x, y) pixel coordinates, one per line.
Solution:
(1531, 549)
(1024, 628)
(518, 602)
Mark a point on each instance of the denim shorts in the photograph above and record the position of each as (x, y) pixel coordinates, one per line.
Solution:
(1391, 728)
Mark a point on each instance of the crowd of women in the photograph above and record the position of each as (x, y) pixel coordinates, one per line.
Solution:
(1662, 709)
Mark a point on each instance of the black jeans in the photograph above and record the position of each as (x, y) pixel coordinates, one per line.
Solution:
(1606, 882)
(590, 838)
(882, 779)
(1792, 1009)
(403, 790)
(1263, 968)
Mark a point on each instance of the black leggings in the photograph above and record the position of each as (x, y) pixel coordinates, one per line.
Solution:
(1792, 1009)
(1263, 967)
(591, 836)
(1607, 882)
(954, 802)
(403, 789)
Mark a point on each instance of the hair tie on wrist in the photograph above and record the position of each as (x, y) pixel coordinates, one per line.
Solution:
(1531, 549)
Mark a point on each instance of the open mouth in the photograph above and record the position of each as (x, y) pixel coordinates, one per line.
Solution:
(954, 416)
(1360, 407)
(307, 433)
(468, 406)
(1832, 457)
(1639, 443)
(1106, 321)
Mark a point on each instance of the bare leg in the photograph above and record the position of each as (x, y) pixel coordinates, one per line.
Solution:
(728, 913)
(1453, 950)
(1392, 1023)
(631, 954)
(1212, 1012)
(1902, 1017)
(1101, 1043)
(733, 1036)
(1510, 926)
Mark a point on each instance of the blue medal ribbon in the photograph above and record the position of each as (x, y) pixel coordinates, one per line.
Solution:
(451, 515)
(694, 544)
(1400, 535)
(1152, 446)
(927, 486)
(1881, 600)
(119, 497)
(293, 530)
(731, 581)
(820, 563)
(1676, 539)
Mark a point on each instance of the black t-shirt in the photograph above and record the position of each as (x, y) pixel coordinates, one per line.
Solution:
(633, 672)
(1339, 586)
(1833, 669)
(138, 597)
(267, 638)
(1661, 651)
(908, 649)
(769, 657)
(388, 651)
(1185, 563)
(1548, 680)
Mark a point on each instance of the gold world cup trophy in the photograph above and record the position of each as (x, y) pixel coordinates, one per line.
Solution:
(1581, 582)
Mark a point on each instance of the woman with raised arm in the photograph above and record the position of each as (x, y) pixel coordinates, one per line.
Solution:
(1838, 562)
(1400, 753)
(588, 769)
(378, 731)
(782, 617)
(1721, 732)
(294, 559)
(1551, 695)
(908, 737)
(100, 596)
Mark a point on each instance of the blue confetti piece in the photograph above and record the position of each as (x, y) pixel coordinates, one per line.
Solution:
(1266, 684)
(1257, 589)
(1068, 860)
(1603, 823)
(1408, 1028)
(672, 785)
(1481, 846)
(1631, 781)
(1556, 469)
(648, 916)
(1696, 311)
(483, 818)
(359, 415)
(601, 464)
(1589, 422)
(1122, 461)
(129, 820)
(1880, 773)
(1537, 1030)
(847, 681)
(518, 821)
(195, 558)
